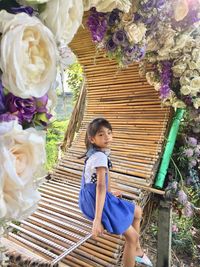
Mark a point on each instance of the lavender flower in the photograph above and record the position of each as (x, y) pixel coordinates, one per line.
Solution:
(192, 141)
(110, 45)
(24, 109)
(182, 197)
(114, 17)
(97, 25)
(119, 37)
(130, 50)
(192, 163)
(188, 152)
(174, 185)
(7, 117)
(166, 76)
(197, 152)
(188, 210)
(146, 6)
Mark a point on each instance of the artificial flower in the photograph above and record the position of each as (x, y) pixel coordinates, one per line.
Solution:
(185, 90)
(180, 9)
(196, 102)
(108, 5)
(135, 32)
(22, 154)
(29, 55)
(179, 68)
(63, 18)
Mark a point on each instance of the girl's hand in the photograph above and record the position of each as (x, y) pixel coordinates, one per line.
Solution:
(97, 228)
(117, 193)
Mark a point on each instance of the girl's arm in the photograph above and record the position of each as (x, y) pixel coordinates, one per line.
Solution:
(100, 199)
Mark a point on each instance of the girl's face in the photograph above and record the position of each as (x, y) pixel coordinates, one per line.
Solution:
(103, 138)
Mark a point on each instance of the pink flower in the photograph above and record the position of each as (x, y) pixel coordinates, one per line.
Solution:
(175, 228)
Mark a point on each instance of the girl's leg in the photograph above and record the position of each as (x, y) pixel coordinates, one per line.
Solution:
(131, 239)
(136, 225)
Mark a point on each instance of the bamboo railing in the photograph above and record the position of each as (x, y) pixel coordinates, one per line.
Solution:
(139, 127)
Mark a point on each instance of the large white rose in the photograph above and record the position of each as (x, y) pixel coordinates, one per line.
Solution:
(63, 18)
(107, 5)
(28, 55)
(22, 154)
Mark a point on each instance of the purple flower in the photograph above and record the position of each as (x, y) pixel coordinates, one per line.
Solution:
(160, 3)
(188, 210)
(114, 17)
(97, 25)
(119, 37)
(192, 141)
(182, 197)
(24, 109)
(188, 152)
(197, 151)
(192, 163)
(7, 117)
(147, 5)
(26, 9)
(174, 185)
(174, 228)
(130, 50)
(166, 76)
(2, 99)
(110, 45)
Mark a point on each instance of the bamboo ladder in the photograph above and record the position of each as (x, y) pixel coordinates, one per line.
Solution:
(139, 126)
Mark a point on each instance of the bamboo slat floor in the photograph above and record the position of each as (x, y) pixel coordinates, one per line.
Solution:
(139, 127)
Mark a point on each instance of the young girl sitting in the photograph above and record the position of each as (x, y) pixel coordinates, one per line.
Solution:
(115, 215)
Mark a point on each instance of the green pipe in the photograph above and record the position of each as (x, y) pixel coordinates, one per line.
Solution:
(169, 148)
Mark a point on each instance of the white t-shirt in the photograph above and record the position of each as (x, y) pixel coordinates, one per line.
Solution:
(98, 159)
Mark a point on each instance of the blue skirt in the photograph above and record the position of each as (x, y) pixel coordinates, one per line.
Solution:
(117, 215)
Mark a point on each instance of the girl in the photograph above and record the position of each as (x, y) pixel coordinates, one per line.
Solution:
(98, 204)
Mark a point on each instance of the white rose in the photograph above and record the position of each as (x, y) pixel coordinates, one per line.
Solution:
(185, 90)
(178, 104)
(152, 44)
(151, 77)
(135, 32)
(167, 40)
(195, 83)
(180, 9)
(196, 103)
(179, 69)
(63, 18)
(22, 154)
(196, 54)
(108, 5)
(29, 55)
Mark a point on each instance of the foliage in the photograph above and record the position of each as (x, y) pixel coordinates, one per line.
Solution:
(183, 233)
(55, 135)
(75, 79)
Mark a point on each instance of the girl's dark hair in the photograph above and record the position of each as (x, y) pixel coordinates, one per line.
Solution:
(93, 127)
